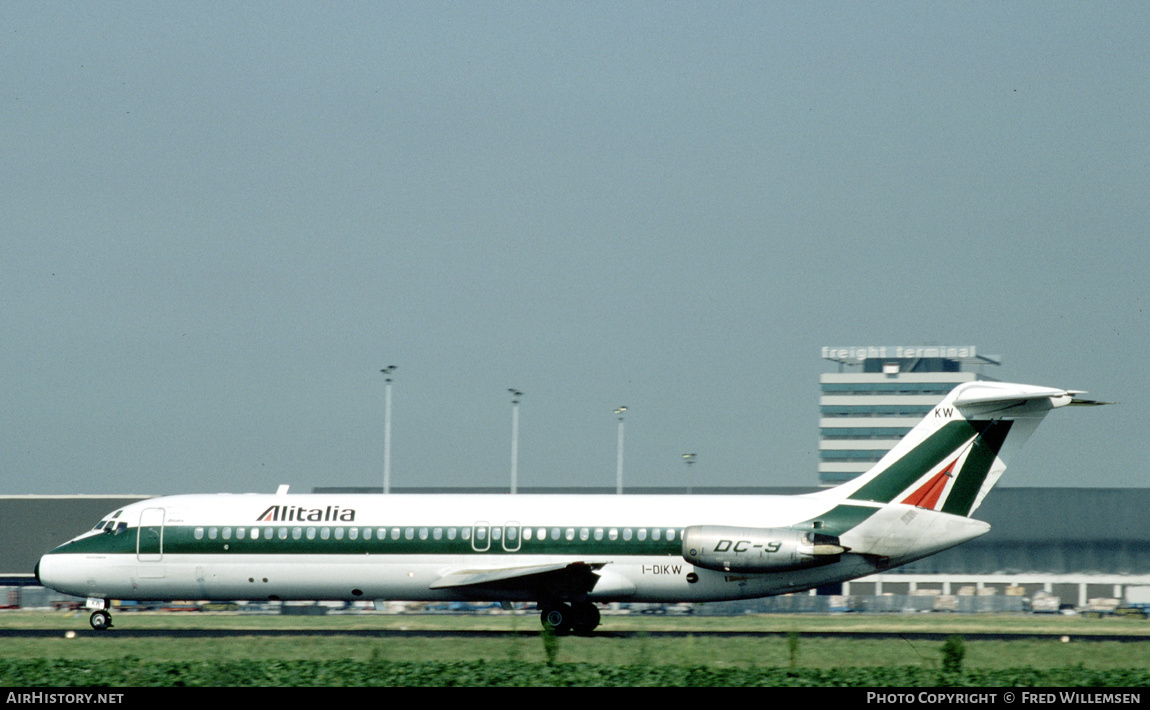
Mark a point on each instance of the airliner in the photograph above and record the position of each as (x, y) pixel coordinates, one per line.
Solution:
(565, 553)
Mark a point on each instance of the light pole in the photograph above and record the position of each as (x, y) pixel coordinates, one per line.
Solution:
(619, 454)
(515, 395)
(387, 428)
(688, 459)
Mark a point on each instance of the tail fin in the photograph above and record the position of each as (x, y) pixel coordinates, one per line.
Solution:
(955, 455)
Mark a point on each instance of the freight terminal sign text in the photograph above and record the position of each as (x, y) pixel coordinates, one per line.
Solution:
(899, 352)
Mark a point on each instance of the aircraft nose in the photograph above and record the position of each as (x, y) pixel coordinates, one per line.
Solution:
(43, 572)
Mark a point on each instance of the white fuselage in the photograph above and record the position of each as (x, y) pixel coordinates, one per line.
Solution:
(399, 547)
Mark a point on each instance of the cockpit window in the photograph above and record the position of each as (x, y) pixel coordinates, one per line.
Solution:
(109, 524)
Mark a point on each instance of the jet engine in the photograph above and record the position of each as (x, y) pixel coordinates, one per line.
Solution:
(731, 549)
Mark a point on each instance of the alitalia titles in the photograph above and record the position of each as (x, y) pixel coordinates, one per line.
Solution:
(294, 513)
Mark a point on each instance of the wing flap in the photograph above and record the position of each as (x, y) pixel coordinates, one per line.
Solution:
(565, 580)
(473, 577)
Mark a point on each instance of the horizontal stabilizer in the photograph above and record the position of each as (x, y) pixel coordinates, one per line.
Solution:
(1006, 399)
(986, 392)
(1079, 402)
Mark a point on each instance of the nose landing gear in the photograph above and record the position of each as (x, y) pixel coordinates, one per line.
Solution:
(100, 620)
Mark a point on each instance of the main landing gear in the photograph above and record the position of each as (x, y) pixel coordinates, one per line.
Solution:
(580, 618)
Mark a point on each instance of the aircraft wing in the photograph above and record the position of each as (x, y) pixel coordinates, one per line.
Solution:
(562, 580)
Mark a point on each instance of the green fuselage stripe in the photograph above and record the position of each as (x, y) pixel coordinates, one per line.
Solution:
(839, 519)
(283, 540)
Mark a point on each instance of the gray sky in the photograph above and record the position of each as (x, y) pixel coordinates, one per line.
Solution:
(220, 220)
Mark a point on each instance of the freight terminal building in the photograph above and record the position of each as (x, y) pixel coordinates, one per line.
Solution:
(878, 394)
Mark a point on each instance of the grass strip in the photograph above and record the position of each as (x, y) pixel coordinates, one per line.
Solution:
(134, 672)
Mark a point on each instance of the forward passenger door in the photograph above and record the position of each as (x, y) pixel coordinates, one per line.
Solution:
(150, 540)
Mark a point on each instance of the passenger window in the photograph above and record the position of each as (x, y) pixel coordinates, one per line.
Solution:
(267, 533)
(296, 533)
(367, 533)
(437, 533)
(584, 534)
(227, 533)
(423, 533)
(613, 534)
(570, 534)
(465, 534)
(240, 533)
(311, 533)
(655, 534)
(324, 533)
(670, 534)
(212, 533)
(598, 533)
(198, 533)
(353, 533)
(409, 533)
(381, 534)
(642, 534)
(339, 533)
(451, 532)
(626, 534)
(283, 533)
(395, 533)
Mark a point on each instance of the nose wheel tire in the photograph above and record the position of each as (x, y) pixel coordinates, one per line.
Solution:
(100, 620)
